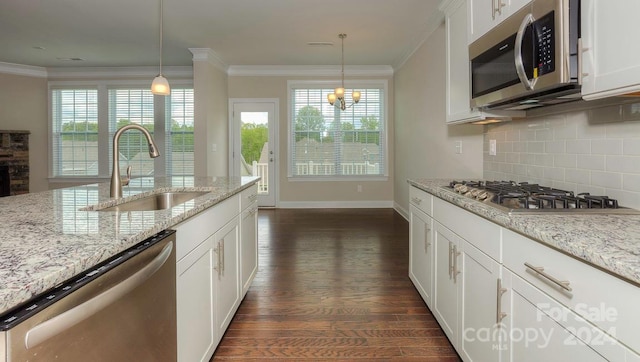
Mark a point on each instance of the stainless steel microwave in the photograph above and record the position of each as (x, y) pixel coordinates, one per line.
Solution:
(530, 59)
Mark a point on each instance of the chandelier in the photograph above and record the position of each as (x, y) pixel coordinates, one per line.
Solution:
(338, 93)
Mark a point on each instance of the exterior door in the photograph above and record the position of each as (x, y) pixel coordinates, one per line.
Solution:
(254, 146)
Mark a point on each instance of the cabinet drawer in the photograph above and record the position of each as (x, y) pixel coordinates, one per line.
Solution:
(481, 233)
(421, 199)
(194, 230)
(607, 301)
(248, 197)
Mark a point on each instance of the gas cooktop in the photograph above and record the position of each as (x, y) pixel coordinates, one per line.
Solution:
(524, 197)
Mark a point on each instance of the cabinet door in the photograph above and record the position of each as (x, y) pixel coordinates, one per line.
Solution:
(248, 246)
(227, 278)
(445, 296)
(197, 337)
(610, 58)
(421, 253)
(481, 17)
(540, 329)
(480, 299)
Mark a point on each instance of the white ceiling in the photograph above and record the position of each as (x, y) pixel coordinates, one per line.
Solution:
(111, 33)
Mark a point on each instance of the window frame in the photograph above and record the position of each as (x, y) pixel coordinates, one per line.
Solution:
(105, 140)
(381, 84)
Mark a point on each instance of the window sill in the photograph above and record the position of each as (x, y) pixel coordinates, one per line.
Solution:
(338, 178)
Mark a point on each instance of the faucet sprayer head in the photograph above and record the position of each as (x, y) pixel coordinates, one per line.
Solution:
(153, 151)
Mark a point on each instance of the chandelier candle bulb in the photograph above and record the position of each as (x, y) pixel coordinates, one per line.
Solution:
(331, 98)
(339, 93)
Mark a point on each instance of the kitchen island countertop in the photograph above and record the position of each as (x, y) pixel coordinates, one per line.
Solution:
(45, 237)
(609, 242)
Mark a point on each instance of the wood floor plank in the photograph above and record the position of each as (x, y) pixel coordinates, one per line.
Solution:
(332, 285)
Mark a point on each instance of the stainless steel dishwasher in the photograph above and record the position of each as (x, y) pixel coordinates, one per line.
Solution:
(124, 309)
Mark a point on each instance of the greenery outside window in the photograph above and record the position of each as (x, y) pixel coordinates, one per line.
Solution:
(85, 120)
(327, 142)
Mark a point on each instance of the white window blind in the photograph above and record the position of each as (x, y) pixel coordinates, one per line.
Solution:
(75, 132)
(327, 141)
(180, 126)
(132, 106)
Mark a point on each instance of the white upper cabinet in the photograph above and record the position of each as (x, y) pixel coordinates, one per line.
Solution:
(610, 50)
(485, 14)
(458, 86)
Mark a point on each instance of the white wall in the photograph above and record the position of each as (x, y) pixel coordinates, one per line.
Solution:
(425, 145)
(595, 151)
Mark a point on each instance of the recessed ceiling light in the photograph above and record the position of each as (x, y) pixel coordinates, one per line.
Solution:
(71, 59)
(39, 47)
(320, 43)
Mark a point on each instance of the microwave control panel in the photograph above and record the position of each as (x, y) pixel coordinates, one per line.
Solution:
(544, 44)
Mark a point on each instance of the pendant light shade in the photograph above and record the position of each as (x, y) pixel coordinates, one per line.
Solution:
(160, 84)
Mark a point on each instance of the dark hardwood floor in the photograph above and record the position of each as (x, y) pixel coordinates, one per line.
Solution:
(333, 285)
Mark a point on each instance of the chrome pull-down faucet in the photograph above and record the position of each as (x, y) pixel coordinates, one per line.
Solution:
(116, 182)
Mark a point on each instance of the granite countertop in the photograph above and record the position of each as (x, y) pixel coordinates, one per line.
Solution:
(46, 238)
(610, 242)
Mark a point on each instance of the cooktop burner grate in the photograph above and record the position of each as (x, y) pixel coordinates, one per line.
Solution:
(530, 197)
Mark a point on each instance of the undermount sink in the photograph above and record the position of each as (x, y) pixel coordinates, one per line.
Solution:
(159, 201)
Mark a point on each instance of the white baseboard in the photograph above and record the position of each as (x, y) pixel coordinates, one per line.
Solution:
(401, 210)
(335, 205)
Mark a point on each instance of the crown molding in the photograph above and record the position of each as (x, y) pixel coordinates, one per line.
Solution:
(309, 70)
(208, 55)
(26, 70)
(119, 72)
(434, 21)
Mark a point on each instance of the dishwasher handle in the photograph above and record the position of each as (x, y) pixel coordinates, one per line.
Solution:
(68, 319)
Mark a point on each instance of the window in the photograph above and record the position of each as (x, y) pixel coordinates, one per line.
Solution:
(328, 142)
(85, 120)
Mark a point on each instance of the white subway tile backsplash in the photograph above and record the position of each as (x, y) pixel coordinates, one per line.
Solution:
(606, 147)
(512, 135)
(563, 131)
(631, 182)
(535, 147)
(544, 160)
(520, 170)
(579, 146)
(578, 177)
(554, 173)
(591, 162)
(631, 147)
(566, 161)
(606, 179)
(624, 164)
(555, 146)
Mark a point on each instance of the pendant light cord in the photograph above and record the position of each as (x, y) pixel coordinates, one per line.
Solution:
(161, 16)
(342, 36)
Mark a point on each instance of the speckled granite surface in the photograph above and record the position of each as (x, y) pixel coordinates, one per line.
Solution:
(46, 239)
(611, 242)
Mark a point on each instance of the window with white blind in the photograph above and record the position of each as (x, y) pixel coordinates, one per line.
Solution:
(327, 142)
(85, 120)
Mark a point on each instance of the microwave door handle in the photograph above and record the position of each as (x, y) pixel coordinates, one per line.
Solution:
(522, 74)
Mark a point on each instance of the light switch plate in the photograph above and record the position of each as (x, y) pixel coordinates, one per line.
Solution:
(492, 148)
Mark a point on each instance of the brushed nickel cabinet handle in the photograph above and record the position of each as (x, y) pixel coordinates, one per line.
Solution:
(456, 253)
(450, 263)
(564, 284)
(499, 292)
(416, 200)
(222, 254)
(427, 241)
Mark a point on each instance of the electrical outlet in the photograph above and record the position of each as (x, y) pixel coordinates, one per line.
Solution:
(359, 188)
(214, 147)
(492, 148)
(458, 147)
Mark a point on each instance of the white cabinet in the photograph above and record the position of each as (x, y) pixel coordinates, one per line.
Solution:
(458, 83)
(421, 243)
(480, 305)
(3, 346)
(248, 237)
(538, 328)
(227, 276)
(610, 52)
(208, 278)
(447, 284)
(485, 14)
(421, 253)
(197, 337)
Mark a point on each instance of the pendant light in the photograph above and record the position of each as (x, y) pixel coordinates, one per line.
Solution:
(160, 84)
(338, 93)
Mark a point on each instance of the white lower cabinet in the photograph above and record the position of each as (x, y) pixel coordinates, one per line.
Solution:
(421, 251)
(195, 287)
(480, 305)
(538, 328)
(447, 284)
(227, 276)
(248, 238)
(209, 285)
